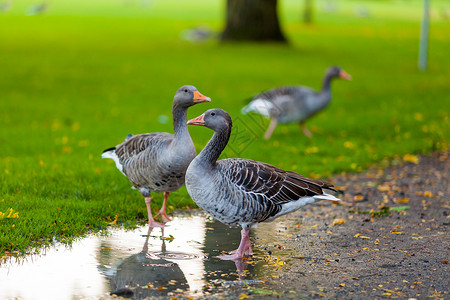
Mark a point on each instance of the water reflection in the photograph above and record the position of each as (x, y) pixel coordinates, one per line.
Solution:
(146, 274)
(178, 259)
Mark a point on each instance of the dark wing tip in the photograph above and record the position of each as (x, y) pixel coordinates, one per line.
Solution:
(329, 186)
(109, 149)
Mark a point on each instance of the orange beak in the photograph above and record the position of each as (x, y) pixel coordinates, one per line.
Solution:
(344, 75)
(197, 121)
(199, 98)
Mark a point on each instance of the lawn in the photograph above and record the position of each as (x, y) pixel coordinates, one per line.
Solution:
(80, 77)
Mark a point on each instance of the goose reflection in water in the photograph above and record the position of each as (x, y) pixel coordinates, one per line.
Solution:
(147, 274)
(165, 267)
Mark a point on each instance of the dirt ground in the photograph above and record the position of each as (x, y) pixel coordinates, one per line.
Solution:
(388, 239)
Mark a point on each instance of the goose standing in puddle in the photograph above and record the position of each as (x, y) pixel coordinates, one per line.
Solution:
(158, 161)
(292, 104)
(243, 191)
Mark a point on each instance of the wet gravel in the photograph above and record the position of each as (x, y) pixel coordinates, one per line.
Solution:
(390, 239)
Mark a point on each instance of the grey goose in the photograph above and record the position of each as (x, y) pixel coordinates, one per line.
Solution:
(158, 161)
(293, 104)
(244, 192)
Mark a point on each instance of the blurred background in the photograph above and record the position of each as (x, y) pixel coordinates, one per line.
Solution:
(77, 76)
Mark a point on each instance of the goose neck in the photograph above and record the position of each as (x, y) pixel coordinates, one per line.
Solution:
(211, 153)
(179, 115)
(326, 85)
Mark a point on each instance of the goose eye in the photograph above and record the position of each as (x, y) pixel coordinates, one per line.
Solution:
(213, 114)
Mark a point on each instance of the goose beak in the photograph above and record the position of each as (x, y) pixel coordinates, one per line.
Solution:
(197, 121)
(199, 98)
(344, 75)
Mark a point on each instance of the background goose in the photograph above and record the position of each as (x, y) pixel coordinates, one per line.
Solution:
(158, 161)
(294, 103)
(242, 191)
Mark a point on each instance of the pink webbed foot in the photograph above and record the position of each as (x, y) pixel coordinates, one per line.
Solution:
(164, 217)
(245, 248)
(153, 223)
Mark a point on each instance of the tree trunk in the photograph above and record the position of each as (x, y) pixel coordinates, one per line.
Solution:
(308, 11)
(252, 20)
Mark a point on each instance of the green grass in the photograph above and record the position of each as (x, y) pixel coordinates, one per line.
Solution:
(80, 78)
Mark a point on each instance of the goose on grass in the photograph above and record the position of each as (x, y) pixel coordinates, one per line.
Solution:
(244, 192)
(293, 104)
(158, 161)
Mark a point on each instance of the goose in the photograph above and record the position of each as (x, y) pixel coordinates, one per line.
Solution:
(158, 161)
(244, 192)
(294, 103)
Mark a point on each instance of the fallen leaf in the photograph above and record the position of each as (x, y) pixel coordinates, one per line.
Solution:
(384, 188)
(399, 208)
(428, 194)
(358, 197)
(396, 232)
(403, 200)
(411, 158)
(338, 221)
(342, 284)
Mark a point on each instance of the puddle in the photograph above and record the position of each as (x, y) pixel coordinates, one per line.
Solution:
(176, 260)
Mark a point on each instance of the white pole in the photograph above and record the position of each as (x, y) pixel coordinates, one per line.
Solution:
(424, 29)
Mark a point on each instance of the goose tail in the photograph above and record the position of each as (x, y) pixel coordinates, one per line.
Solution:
(326, 196)
(259, 106)
(111, 153)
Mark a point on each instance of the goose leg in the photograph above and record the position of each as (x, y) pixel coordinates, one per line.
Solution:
(305, 130)
(273, 124)
(151, 221)
(165, 218)
(245, 247)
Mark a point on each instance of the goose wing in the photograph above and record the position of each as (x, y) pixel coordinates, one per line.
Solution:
(294, 92)
(135, 145)
(260, 180)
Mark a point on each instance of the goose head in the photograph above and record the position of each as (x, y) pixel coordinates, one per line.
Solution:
(336, 71)
(216, 119)
(188, 95)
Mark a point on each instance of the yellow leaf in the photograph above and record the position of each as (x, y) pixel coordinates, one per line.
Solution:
(338, 221)
(384, 188)
(310, 150)
(356, 235)
(358, 197)
(364, 237)
(411, 158)
(418, 116)
(428, 194)
(342, 284)
(243, 296)
(349, 145)
(396, 232)
(403, 200)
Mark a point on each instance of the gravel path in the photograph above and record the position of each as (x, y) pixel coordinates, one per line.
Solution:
(389, 239)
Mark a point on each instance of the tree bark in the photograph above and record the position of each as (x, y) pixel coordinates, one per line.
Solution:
(308, 11)
(252, 20)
